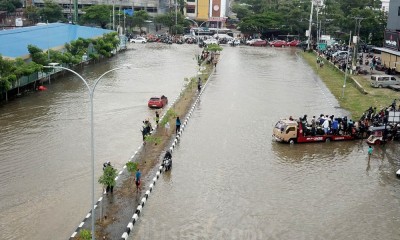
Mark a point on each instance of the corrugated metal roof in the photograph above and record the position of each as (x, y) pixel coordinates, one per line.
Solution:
(14, 43)
(387, 50)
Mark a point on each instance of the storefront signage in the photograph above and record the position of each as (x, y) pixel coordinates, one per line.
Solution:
(391, 40)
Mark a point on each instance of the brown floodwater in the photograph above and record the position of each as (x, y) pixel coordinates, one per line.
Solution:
(230, 180)
(45, 165)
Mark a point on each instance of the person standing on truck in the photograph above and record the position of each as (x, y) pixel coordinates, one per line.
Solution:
(325, 125)
(313, 126)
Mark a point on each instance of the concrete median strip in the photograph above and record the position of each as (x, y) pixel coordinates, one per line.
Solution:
(125, 235)
(175, 142)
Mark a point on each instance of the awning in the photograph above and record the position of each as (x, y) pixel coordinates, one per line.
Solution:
(387, 50)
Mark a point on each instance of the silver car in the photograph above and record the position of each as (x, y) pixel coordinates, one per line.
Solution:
(380, 81)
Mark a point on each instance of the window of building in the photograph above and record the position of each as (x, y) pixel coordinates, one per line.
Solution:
(191, 0)
(191, 10)
(398, 11)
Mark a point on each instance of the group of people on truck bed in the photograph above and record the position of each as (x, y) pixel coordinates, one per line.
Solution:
(331, 125)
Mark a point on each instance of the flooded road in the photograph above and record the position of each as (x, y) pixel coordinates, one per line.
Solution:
(45, 165)
(231, 181)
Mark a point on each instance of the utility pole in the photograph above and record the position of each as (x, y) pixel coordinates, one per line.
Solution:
(113, 15)
(176, 17)
(76, 11)
(309, 27)
(347, 63)
(357, 32)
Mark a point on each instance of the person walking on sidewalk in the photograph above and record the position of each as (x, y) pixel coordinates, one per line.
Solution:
(138, 177)
(178, 125)
(199, 85)
(157, 117)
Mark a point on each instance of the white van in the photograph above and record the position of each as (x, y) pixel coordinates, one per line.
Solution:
(340, 54)
(383, 81)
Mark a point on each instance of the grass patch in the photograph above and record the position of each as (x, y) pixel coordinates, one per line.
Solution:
(353, 101)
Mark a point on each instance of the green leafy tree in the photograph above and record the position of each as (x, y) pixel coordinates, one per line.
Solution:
(10, 5)
(37, 55)
(241, 10)
(51, 12)
(23, 68)
(213, 48)
(85, 234)
(260, 23)
(108, 177)
(169, 21)
(7, 74)
(78, 47)
(139, 19)
(105, 45)
(97, 14)
(32, 13)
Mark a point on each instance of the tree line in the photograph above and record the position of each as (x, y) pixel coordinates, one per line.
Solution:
(335, 18)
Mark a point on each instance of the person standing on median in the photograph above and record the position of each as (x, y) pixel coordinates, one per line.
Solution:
(138, 177)
(178, 125)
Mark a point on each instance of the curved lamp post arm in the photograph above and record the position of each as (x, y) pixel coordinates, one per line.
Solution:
(102, 75)
(91, 92)
(70, 70)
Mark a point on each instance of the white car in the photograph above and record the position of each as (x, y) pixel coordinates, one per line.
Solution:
(250, 42)
(138, 40)
(234, 42)
(211, 41)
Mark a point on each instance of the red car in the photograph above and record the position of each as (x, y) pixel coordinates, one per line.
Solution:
(293, 43)
(157, 102)
(278, 43)
(259, 43)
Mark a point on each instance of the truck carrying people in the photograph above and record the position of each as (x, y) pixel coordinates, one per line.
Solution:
(324, 129)
(377, 126)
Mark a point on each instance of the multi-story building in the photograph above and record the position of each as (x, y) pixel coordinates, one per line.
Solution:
(202, 10)
(153, 7)
(213, 11)
(391, 48)
(385, 5)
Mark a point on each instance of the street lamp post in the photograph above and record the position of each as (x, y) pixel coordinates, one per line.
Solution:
(347, 63)
(197, 25)
(91, 93)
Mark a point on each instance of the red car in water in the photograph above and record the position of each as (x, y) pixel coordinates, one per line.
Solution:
(293, 43)
(259, 43)
(278, 43)
(157, 102)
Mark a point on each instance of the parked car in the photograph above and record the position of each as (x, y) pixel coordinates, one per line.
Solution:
(157, 102)
(278, 43)
(249, 42)
(234, 42)
(210, 41)
(340, 54)
(259, 43)
(293, 43)
(383, 81)
(138, 40)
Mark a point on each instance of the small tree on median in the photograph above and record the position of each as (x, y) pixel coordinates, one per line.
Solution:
(108, 177)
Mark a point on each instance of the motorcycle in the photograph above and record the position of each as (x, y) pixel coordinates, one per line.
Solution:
(167, 161)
